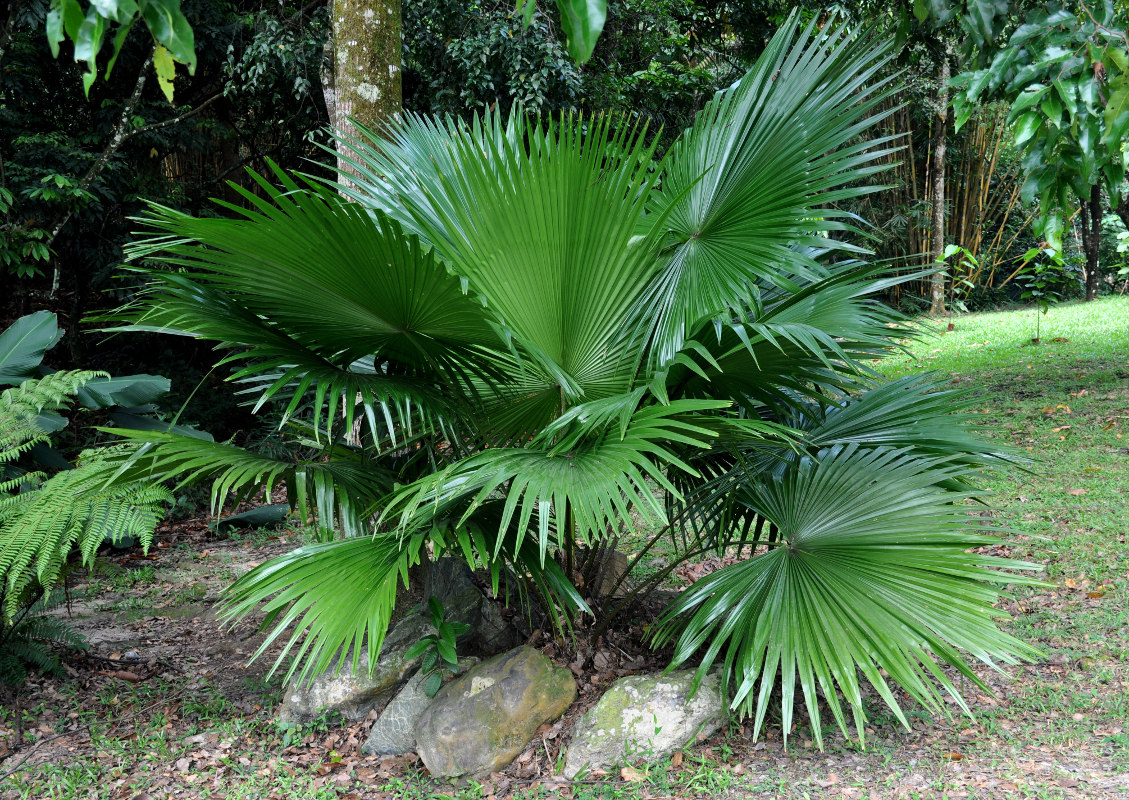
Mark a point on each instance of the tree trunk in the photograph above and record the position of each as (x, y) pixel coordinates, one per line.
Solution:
(937, 285)
(366, 48)
(1092, 239)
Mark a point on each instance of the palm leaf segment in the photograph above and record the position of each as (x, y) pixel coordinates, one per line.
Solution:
(541, 223)
(871, 572)
(321, 298)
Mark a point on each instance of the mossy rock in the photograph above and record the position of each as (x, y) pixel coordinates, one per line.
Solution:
(645, 716)
(479, 723)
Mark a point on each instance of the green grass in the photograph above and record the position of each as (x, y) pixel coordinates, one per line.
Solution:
(1064, 403)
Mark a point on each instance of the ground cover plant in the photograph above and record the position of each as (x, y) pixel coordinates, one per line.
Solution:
(192, 719)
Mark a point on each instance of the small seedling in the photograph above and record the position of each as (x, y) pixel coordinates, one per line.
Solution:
(437, 649)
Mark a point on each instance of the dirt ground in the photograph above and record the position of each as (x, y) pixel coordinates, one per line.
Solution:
(165, 705)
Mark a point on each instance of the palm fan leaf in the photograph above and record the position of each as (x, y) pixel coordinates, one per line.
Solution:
(597, 474)
(322, 298)
(343, 481)
(752, 182)
(872, 573)
(541, 223)
(336, 599)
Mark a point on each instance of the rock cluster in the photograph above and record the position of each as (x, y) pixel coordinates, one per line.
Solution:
(484, 717)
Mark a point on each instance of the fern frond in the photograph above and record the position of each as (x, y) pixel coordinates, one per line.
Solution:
(28, 642)
(77, 507)
(50, 393)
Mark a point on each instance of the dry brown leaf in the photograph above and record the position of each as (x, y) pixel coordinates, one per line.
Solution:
(632, 775)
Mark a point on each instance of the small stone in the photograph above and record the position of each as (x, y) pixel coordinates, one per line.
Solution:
(481, 721)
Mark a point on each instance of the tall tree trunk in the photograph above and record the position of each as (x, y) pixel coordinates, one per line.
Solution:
(937, 285)
(363, 80)
(1092, 239)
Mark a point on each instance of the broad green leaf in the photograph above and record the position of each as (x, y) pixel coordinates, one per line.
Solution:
(1028, 97)
(1068, 93)
(73, 16)
(1117, 115)
(1118, 58)
(582, 21)
(170, 29)
(128, 391)
(527, 8)
(119, 40)
(87, 45)
(119, 11)
(1053, 109)
(1026, 127)
(1089, 91)
(418, 649)
(982, 16)
(446, 650)
(55, 31)
(23, 345)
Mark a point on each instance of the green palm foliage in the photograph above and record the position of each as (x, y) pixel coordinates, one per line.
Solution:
(516, 336)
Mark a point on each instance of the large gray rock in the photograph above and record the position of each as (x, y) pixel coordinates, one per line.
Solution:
(450, 581)
(493, 633)
(393, 732)
(354, 695)
(647, 715)
(480, 722)
(447, 577)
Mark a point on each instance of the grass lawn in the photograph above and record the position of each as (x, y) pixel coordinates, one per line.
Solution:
(1055, 729)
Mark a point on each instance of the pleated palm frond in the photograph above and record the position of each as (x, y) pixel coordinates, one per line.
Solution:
(750, 187)
(599, 474)
(343, 483)
(817, 343)
(922, 413)
(334, 598)
(541, 222)
(874, 572)
(321, 301)
(917, 414)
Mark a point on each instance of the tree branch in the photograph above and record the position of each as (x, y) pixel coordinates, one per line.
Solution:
(156, 126)
(120, 134)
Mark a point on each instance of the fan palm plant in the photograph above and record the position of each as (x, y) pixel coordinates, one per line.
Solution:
(521, 336)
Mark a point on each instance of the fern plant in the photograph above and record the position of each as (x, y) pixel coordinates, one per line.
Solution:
(27, 641)
(45, 517)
